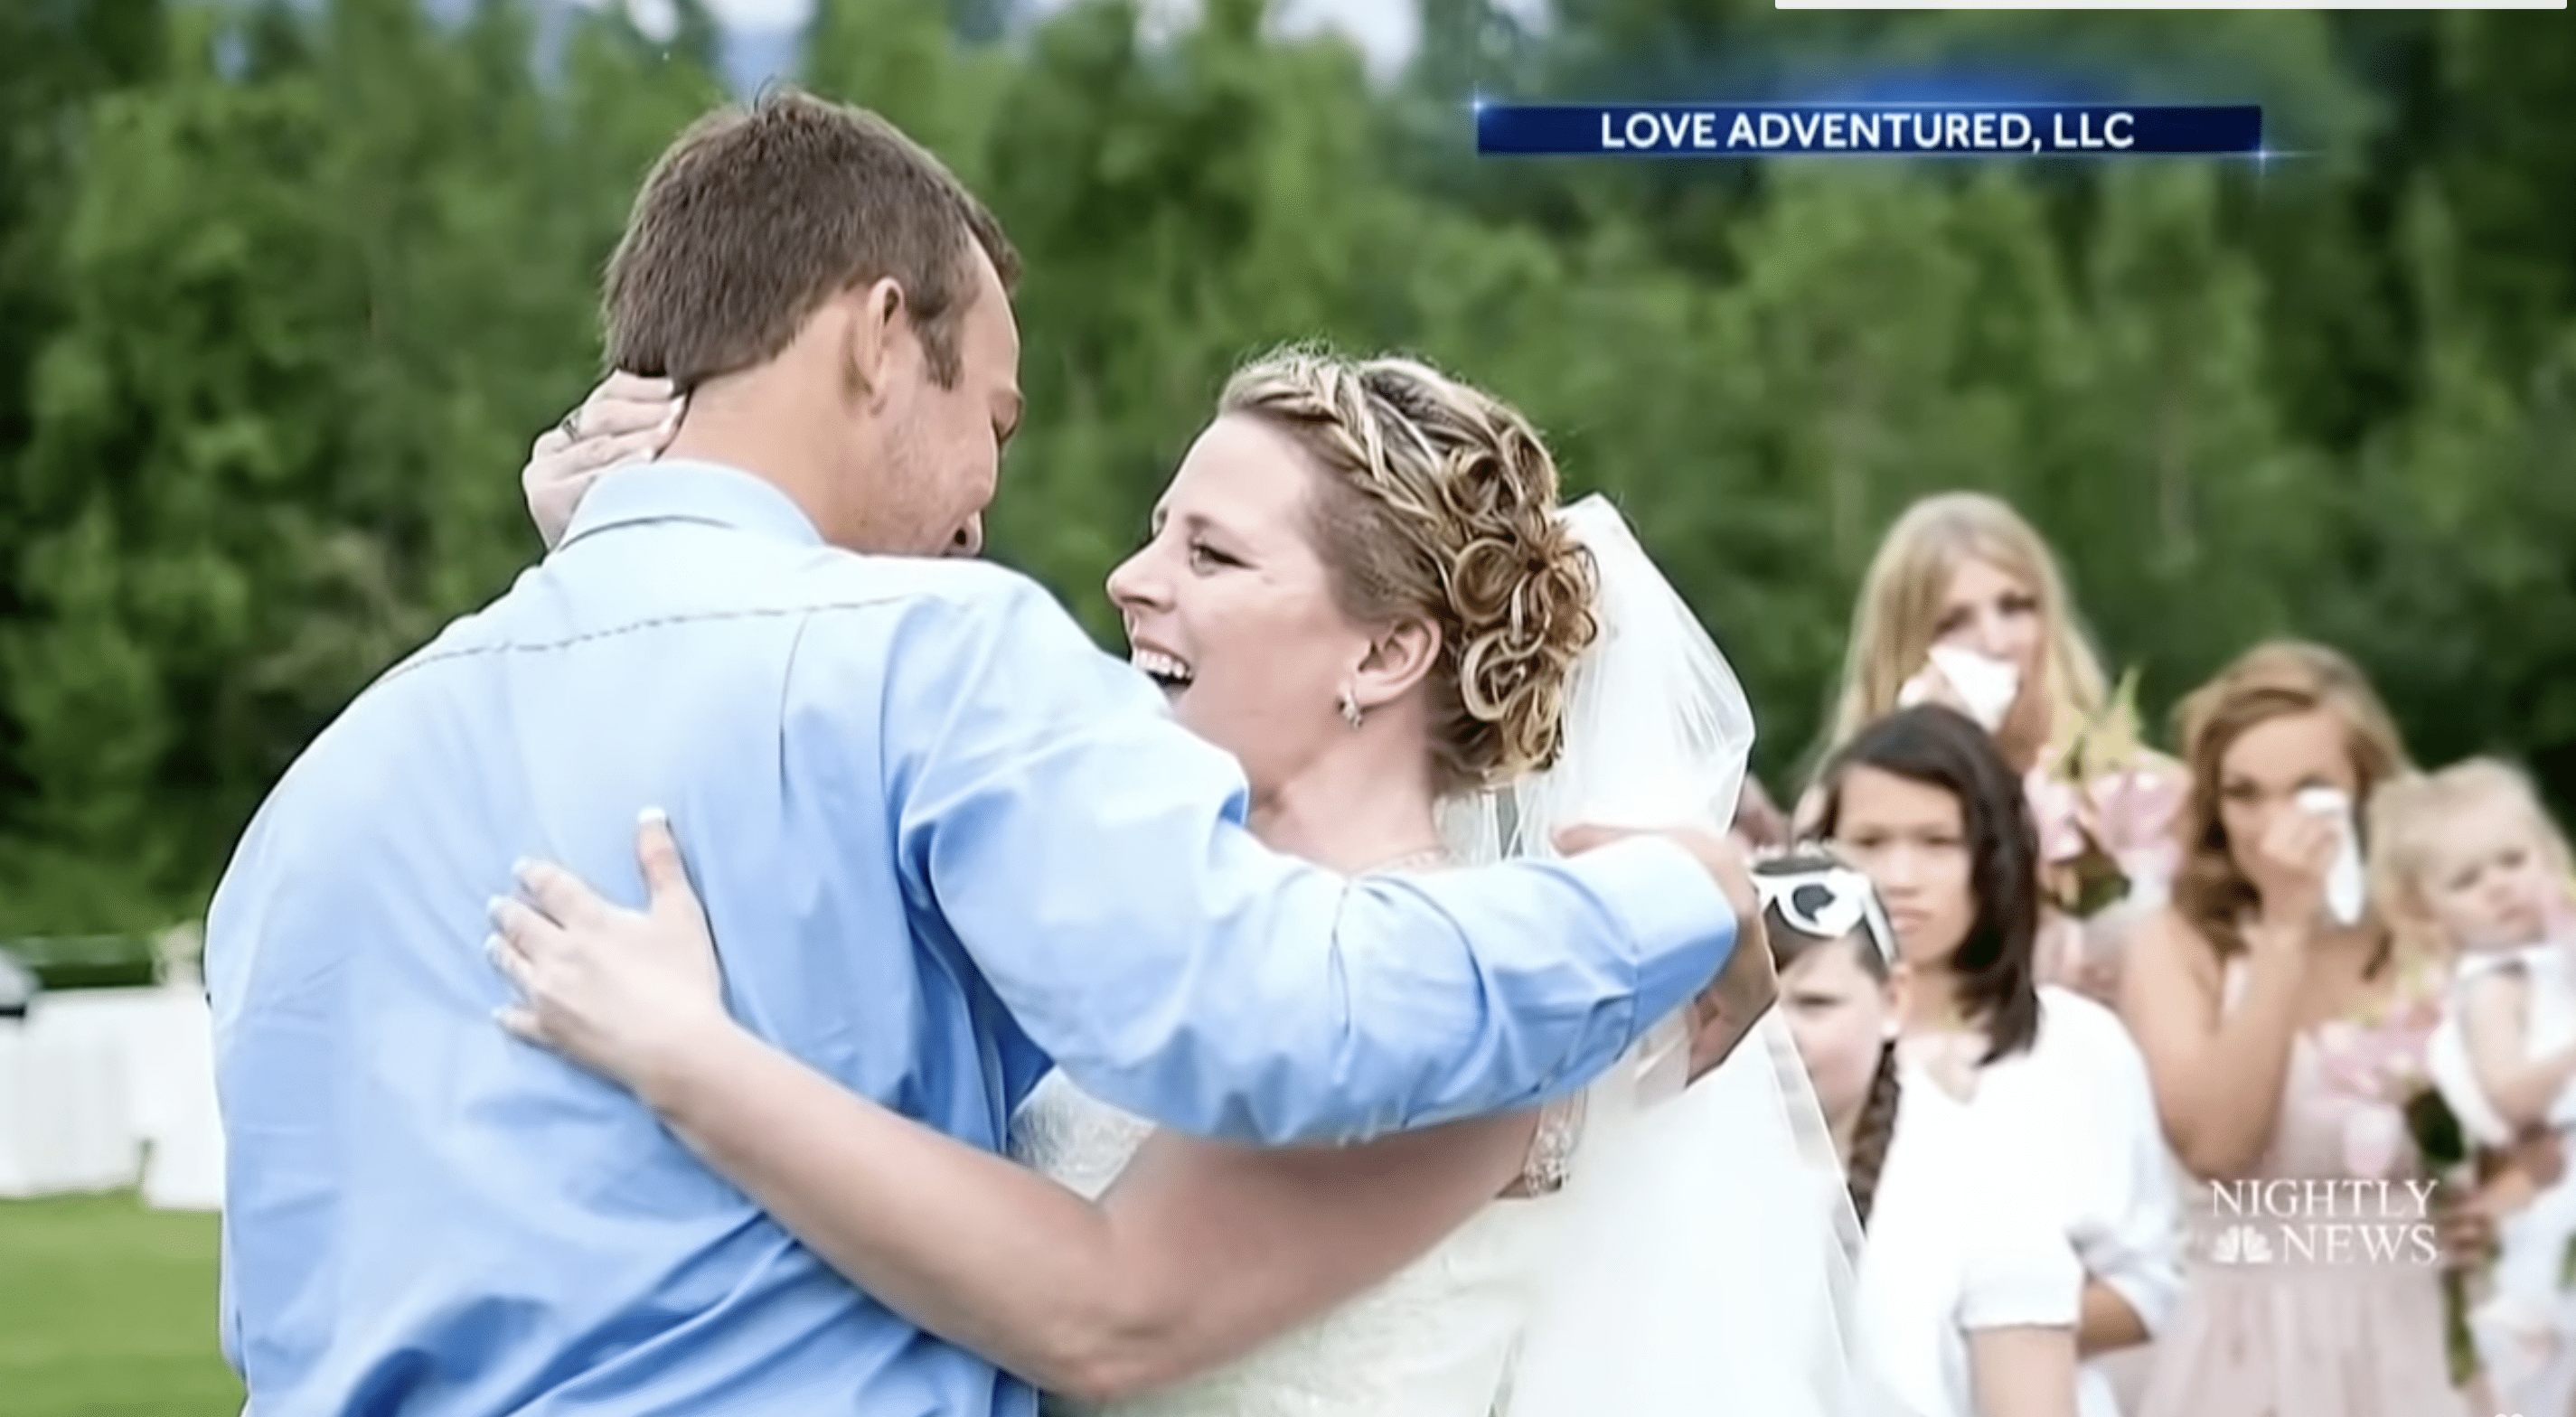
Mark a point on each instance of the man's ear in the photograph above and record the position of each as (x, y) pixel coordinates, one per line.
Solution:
(878, 321)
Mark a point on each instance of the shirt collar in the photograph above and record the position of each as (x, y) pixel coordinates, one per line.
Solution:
(704, 492)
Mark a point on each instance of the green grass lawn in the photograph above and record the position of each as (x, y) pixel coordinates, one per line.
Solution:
(108, 1310)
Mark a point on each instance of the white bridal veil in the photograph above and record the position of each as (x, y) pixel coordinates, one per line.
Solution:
(1709, 1244)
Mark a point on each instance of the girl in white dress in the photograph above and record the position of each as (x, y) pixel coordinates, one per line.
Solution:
(1968, 1290)
(1925, 806)
(2467, 866)
(1361, 584)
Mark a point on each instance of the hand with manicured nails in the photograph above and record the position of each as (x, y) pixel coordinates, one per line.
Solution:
(618, 991)
(626, 420)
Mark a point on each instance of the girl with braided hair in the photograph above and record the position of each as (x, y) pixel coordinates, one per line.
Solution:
(1967, 1292)
(1923, 803)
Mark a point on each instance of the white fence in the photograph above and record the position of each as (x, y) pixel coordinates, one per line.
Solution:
(102, 1089)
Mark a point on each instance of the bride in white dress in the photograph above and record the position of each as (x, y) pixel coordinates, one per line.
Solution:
(1361, 584)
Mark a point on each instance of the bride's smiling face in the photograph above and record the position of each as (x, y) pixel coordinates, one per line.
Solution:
(1232, 611)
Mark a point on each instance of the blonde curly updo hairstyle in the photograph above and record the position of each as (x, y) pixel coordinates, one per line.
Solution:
(1438, 502)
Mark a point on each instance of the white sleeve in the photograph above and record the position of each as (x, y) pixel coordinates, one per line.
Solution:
(2018, 1269)
(2446, 1060)
(2127, 1221)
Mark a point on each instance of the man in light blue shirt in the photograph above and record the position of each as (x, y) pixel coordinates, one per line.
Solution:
(944, 841)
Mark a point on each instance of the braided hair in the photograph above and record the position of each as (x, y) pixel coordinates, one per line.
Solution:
(1871, 1133)
(1791, 923)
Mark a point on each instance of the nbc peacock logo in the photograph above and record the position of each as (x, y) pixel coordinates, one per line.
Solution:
(2240, 1244)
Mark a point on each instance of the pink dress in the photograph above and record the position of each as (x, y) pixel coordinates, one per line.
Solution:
(2279, 1316)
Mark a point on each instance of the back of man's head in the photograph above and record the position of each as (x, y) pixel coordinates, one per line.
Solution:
(756, 216)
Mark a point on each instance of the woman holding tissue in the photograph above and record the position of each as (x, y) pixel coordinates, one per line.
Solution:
(1964, 606)
(2284, 1030)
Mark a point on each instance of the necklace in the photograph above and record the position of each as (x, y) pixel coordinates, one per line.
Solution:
(1425, 858)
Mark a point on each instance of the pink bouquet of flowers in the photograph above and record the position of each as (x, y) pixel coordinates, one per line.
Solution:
(2105, 811)
(2378, 1060)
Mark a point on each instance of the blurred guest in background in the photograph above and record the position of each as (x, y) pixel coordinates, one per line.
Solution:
(2467, 867)
(1964, 605)
(1926, 805)
(2281, 1027)
(1969, 1292)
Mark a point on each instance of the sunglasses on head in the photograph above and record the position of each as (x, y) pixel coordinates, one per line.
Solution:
(1828, 902)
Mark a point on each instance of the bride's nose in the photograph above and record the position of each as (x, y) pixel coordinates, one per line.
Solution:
(1135, 585)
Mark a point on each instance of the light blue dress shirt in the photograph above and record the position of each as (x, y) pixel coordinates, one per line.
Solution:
(943, 840)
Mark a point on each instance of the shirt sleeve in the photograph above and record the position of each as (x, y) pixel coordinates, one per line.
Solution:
(1092, 857)
(2128, 1228)
(2019, 1270)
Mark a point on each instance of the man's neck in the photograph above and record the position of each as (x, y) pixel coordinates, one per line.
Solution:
(737, 427)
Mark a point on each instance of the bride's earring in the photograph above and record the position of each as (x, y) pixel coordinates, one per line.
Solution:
(1350, 708)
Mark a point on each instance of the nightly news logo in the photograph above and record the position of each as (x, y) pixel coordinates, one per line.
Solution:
(2323, 1222)
(1939, 130)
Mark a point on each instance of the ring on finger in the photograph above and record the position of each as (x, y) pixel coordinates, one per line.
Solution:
(571, 425)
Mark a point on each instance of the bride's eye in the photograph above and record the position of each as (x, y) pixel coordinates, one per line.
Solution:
(1202, 556)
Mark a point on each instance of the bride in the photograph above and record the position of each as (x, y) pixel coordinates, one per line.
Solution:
(1361, 584)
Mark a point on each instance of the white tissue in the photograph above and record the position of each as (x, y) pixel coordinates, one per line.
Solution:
(1986, 686)
(2344, 885)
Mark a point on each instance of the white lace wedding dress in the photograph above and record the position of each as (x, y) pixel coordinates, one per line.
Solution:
(1436, 1340)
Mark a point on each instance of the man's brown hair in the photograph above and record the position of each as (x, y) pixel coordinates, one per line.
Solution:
(755, 216)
